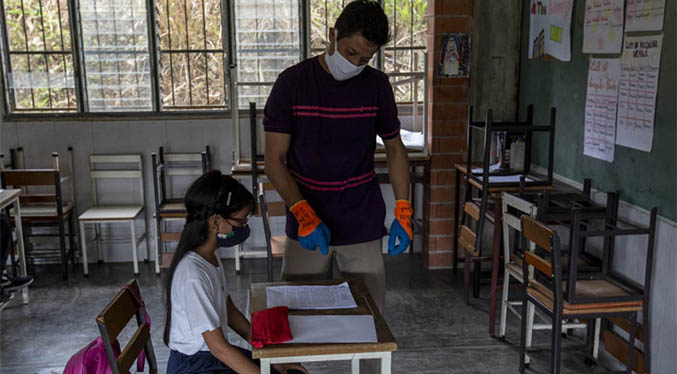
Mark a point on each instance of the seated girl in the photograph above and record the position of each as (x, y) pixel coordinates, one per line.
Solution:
(199, 308)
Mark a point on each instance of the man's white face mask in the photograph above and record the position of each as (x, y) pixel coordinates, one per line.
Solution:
(339, 66)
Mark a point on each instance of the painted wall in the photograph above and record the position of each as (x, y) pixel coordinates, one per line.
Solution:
(644, 179)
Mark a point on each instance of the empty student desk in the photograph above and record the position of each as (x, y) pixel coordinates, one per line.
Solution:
(7, 198)
(287, 353)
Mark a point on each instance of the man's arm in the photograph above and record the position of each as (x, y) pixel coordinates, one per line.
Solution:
(398, 167)
(277, 145)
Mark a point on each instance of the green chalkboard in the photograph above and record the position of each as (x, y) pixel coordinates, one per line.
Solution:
(644, 179)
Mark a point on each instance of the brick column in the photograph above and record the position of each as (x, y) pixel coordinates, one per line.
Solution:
(447, 115)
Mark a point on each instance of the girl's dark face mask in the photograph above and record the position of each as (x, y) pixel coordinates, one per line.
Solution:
(233, 238)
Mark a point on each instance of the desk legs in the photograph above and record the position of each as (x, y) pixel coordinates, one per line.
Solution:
(265, 365)
(385, 357)
(494, 263)
(21, 248)
(426, 206)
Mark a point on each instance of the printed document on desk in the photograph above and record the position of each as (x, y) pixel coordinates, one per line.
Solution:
(333, 329)
(311, 297)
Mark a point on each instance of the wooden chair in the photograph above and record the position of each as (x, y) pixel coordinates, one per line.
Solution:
(598, 296)
(114, 318)
(44, 207)
(267, 209)
(118, 213)
(168, 206)
(514, 206)
(467, 242)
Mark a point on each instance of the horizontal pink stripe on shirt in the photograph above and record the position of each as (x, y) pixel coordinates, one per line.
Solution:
(325, 115)
(328, 109)
(345, 182)
(337, 188)
(389, 134)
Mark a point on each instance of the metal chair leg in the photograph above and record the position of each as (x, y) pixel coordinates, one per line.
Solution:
(556, 342)
(62, 246)
(523, 334)
(631, 342)
(466, 277)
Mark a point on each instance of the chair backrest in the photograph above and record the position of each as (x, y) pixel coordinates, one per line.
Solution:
(468, 237)
(129, 167)
(113, 319)
(512, 208)
(167, 165)
(39, 178)
(547, 239)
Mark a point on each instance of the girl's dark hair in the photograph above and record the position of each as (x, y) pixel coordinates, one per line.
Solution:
(365, 17)
(212, 193)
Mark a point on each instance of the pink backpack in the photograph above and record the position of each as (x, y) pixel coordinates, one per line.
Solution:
(92, 358)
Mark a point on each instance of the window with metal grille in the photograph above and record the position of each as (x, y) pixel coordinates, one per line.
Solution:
(402, 58)
(38, 57)
(116, 55)
(193, 62)
(268, 40)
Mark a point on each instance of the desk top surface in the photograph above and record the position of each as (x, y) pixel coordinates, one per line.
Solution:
(8, 195)
(365, 305)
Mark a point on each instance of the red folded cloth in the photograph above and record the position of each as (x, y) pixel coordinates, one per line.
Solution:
(270, 326)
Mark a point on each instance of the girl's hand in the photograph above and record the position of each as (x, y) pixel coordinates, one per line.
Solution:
(282, 368)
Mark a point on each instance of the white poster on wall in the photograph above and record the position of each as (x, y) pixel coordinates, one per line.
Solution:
(640, 65)
(603, 28)
(644, 15)
(600, 108)
(550, 29)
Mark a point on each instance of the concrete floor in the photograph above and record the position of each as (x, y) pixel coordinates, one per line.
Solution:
(435, 331)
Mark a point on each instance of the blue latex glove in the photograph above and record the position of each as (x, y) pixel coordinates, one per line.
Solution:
(320, 237)
(398, 232)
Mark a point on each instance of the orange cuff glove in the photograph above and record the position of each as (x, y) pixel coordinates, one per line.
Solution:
(403, 214)
(306, 217)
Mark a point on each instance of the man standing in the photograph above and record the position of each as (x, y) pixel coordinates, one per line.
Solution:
(321, 122)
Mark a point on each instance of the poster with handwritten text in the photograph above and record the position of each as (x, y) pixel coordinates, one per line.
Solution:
(600, 108)
(640, 65)
(603, 28)
(644, 15)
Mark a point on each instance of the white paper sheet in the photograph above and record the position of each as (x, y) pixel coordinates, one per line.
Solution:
(333, 329)
(506, 178)
(492, 168)
(640, 66)
(311, 297)
(603, 28)
(644, 15)
(600, 108)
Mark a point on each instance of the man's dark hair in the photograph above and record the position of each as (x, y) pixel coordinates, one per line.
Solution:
(365, 17)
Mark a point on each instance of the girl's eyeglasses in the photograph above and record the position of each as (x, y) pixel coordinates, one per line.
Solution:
(241, 221)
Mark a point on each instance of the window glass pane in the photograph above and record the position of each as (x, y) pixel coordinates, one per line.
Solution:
(116, 55)
(268, 41)
(40, 69)
(191, 54)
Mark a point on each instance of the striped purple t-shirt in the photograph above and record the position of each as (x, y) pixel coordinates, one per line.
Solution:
(333, 127)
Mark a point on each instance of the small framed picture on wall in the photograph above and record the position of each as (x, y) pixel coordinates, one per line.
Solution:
(455, 56)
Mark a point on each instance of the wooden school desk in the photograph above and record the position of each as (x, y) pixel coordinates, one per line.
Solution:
(288, 353)
(7, 198)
